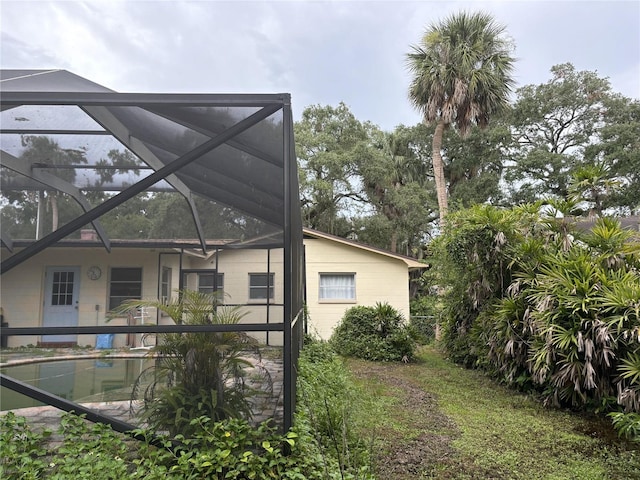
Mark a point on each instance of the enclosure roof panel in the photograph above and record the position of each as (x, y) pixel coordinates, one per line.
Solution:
(46, 81)
(235, 150)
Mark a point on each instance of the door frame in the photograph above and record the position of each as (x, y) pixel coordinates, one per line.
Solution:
(70, 313)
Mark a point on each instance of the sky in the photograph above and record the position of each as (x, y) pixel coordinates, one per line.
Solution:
(321, 52)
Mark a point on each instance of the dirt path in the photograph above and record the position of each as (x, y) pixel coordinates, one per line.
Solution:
(423, 433)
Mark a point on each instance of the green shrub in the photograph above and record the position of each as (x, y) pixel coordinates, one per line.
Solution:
(329, 440)
(374, 333)
(543, 305)
(230, 449)
(627, 425)
(22, 450)
(330, 404)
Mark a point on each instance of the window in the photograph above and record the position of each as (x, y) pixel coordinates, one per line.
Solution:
(125, 284)
(261, 286)
(210, 282)
(165, 285)
(337, 286)
(62, 288)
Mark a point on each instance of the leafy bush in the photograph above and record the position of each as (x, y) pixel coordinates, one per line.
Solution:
(22, 450)
(230, 449)
(627, 425)
(472, 267)
(327, 441)
(374, 333)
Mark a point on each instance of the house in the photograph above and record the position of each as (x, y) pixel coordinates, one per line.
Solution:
(342, 273)
(77, 283)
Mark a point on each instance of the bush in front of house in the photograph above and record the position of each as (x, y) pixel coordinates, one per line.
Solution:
(374, 333)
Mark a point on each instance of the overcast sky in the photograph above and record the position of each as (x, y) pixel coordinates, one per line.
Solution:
(321, 52)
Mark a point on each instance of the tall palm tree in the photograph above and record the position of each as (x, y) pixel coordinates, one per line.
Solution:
(461, 76)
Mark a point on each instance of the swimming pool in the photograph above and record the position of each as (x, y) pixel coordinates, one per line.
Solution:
(81, 381)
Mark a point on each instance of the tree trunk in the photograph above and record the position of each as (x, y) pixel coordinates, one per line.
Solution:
(438, 170)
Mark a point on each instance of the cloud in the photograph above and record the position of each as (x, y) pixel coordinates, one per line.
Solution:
(321, 52)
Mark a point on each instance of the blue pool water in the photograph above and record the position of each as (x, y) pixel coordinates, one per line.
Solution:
(94, 380)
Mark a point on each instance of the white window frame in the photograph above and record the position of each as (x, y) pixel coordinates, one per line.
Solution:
(332, 294)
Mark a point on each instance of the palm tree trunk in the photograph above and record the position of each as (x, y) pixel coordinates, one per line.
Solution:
(438, 170)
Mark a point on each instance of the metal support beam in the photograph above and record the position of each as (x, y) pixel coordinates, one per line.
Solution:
(10, 99)
(289, 385)
(175, 328)
(64, 404)
(110, 122)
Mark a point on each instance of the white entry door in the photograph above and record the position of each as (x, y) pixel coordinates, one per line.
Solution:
(61, 302)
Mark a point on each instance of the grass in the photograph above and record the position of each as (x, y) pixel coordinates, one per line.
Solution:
(475, 428)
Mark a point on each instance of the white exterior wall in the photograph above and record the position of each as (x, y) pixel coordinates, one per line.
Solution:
(23, 287)
(236, 265)
(378, 278)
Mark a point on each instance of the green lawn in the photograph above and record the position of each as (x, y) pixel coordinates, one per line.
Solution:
(436, 420)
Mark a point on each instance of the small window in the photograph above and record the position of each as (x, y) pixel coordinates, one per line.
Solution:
(261, 286)
(62, 288)
(211, 282)
(125, 284)
(337, 286)
(165, 285)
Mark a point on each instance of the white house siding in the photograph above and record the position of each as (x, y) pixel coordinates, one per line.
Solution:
(23, 287)
(236, 265)
(378, 278)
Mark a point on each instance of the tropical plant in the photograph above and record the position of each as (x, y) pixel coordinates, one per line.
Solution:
(461, 77)
(198, 373)
(593, 184)
(543, 305)
(472, 266)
